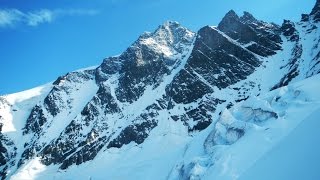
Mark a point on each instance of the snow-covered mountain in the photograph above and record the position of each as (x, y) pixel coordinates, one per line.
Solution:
(226, 102)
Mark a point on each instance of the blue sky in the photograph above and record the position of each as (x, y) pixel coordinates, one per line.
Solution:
(40, 40)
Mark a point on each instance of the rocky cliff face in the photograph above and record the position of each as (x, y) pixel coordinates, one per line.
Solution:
(169, 76)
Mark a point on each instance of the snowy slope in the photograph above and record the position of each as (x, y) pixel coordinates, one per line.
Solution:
(296, 105)
(16, 109)
(295, 157)
(23, 103)
(264, 142)
(247, 133)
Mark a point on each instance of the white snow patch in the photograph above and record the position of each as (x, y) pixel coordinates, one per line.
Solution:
(30, 170)
(20, 104)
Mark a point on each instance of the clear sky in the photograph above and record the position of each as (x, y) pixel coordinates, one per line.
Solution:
(40, 40)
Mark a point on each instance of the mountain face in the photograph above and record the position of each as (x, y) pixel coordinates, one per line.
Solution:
(173, 105)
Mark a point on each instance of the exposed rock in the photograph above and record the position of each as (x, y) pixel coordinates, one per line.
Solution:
(315, 66)
(35, 120)
(288, 29)
(292, 67)
(305, 17)
(259, 37)
(315, 13)
(134, 133)
(215, 61)
(147, 60)
(8, 153)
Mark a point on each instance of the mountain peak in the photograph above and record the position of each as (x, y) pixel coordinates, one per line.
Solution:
(229, 20)
(171, 24)
(231, 14)
(247, 17)
(316, 11)
(167, 38)
(167, 29)
(316, 7)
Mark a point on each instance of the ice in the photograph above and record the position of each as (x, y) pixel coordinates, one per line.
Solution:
(258, 143)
